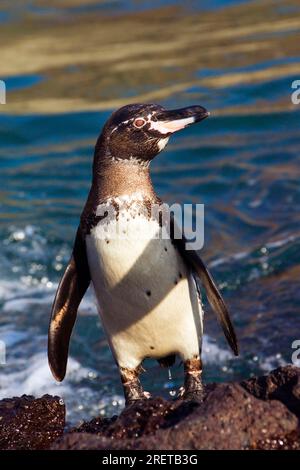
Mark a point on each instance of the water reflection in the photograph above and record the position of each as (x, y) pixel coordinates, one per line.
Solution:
(67, 64)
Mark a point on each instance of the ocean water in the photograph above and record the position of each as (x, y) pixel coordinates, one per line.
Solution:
(243, 164)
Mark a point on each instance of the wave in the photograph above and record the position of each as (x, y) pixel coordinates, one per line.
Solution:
(27, 372)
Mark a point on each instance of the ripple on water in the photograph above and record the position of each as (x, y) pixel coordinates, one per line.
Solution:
(242, 164)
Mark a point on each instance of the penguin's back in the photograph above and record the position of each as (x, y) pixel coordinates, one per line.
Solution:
(147, 297)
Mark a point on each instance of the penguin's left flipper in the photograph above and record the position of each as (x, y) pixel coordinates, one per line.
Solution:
(71, 289)
(214, 296)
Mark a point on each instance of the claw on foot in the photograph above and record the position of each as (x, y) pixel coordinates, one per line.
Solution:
(180, 392)
(190, 395)
(193, 388)
(144, 396)
(193, 395)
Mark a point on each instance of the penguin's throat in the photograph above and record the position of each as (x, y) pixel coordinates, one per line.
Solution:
(125, 181)
(130, 161)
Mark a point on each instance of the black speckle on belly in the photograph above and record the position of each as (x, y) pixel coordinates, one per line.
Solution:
(148, 292)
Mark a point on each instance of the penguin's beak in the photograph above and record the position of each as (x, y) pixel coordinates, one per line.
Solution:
(177, 119)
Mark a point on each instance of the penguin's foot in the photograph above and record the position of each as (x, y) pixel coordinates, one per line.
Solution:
(193, 395)
(143, 397)
(133, 390)
(193, 388)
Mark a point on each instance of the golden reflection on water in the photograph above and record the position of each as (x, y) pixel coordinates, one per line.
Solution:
(93, 61)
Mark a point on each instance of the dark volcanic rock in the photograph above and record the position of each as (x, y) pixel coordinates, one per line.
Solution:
(229, 418)
(29, 423)
(140, 419)
(259, 413)
(282, 384)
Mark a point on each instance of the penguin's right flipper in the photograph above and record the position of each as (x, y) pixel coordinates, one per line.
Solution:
(71, 289)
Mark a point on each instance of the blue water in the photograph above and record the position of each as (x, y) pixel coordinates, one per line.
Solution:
(21, 81)
(245, 168)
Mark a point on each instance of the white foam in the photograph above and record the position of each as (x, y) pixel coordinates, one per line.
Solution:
(11, 337)
(212, 353)
(280, 243)
(272, 362)
(21, 303)
(9, 289)
(243, 254)
(18, 297)
(227, 259)
(28, 373)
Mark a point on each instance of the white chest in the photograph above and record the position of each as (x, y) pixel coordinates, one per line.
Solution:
(147, 298)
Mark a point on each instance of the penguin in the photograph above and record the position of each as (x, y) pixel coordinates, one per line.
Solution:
(147, 285)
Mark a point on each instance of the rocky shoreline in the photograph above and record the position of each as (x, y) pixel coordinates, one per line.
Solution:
(258, 413)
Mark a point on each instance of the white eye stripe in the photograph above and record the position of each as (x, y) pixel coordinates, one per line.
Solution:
(121, 124)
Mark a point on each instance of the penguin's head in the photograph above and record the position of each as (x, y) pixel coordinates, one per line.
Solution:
(138, 132)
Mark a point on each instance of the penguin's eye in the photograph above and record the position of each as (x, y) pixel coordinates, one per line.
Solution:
(139, 122)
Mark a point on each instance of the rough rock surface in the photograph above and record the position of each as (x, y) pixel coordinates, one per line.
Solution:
(282, 384)
(229, 418)
(29, 423)
(259, 413)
